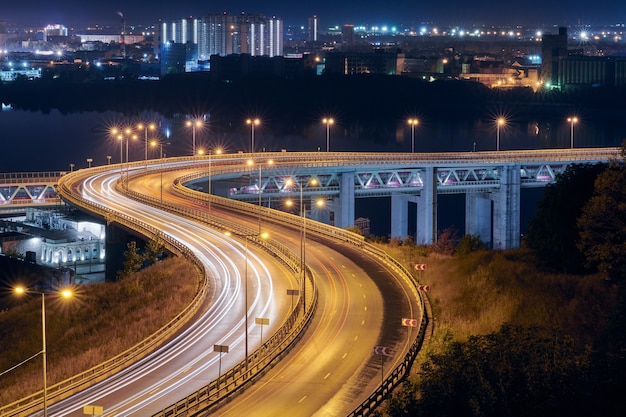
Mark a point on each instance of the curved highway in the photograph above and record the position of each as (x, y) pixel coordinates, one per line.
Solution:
(331, 370)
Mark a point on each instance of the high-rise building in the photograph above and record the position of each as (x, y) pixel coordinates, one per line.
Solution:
(347, 34)
(224, 34)
(553, 47)
(313, 28)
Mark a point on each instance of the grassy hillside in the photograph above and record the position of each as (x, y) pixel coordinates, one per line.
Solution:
(101, 321)
(476, 294)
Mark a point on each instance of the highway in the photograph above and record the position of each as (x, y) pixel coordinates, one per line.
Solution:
(331, 370)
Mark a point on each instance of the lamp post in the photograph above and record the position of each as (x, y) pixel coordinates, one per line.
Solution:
(313, 182)
(499, 123)
(160, 144)
(260, 186)
(328, 121)
(89, 161)
(71, 167)
(64, 294)
(413, 122)
(217, 151)
(108, 159)
(247, 237)
(145, 127)
(252, 123)
(572, 121)
(194, 124)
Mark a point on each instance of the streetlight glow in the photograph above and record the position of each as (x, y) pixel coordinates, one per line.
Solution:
(500, 121)
(65, 293)
(252, 123)
(197, 123)
(328, 121)
(413, 122)
(572, 121)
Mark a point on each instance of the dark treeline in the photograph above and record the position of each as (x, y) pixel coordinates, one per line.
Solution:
(366, 99)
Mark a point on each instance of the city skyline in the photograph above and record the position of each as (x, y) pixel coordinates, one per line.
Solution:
(403, 12)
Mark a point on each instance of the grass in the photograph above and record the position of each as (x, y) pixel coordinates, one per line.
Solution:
(101, 321)
(476, 294)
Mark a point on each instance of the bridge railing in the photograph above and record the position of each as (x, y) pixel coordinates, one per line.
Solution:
(26, 406)
(277, 345)
(401, 371)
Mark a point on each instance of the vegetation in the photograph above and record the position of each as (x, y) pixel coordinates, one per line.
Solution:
(86, 331)
(536, 331)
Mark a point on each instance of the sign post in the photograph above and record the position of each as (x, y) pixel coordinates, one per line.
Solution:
(382, 351)
(262, 321)
(221, 349)
(93, 410)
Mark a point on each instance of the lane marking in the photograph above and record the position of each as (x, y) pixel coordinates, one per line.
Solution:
(302, 399)
(327, 375)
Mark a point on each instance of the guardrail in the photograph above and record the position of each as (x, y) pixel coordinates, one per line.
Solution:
(277, 345)
(332, 161)
(68, 387)
(402, 370)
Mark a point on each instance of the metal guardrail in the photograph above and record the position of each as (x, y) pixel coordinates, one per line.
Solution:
(68, 387)
(402, 370)
(319, 160)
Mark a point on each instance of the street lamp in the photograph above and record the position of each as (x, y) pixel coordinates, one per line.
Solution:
(500, 121)
(312, 182)
(108, 159)
(572, 121)
(155, 143)
(328, 121)
(260, 185)
(89, 161)
(65, 294)
(264, 236)
(252, 123)
(150, 126)
(217, 151)
(194, 124)
(413, 122)
(72, 167)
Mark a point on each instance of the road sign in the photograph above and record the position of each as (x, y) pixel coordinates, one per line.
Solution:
(423, 287)
(420, 267)
(220, 348)
(382, 350)
(93, 410)
(293, 292)
(262, 320)
(409, 322)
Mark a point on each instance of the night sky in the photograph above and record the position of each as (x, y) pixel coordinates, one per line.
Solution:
(330, 12)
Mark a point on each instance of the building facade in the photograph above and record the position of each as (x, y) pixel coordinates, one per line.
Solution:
(224, 34)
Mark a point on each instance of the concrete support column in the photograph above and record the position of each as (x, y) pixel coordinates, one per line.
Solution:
(478, 216)
(400, 214)
(427, 208)
(344, 205)
(506, 209)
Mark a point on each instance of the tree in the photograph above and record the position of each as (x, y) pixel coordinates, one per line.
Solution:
(132, 260)
(469, 244)
(602, 226)
(552, 233)
(516, 371)
(153, 250)
(446, 241)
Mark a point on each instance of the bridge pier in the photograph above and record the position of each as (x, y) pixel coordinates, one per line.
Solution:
(426, 211)
(506, 209)
(343, 206)
(495, 217)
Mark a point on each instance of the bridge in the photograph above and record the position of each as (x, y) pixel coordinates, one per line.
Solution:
(20, 190)
(151, 199)
(491, 181)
